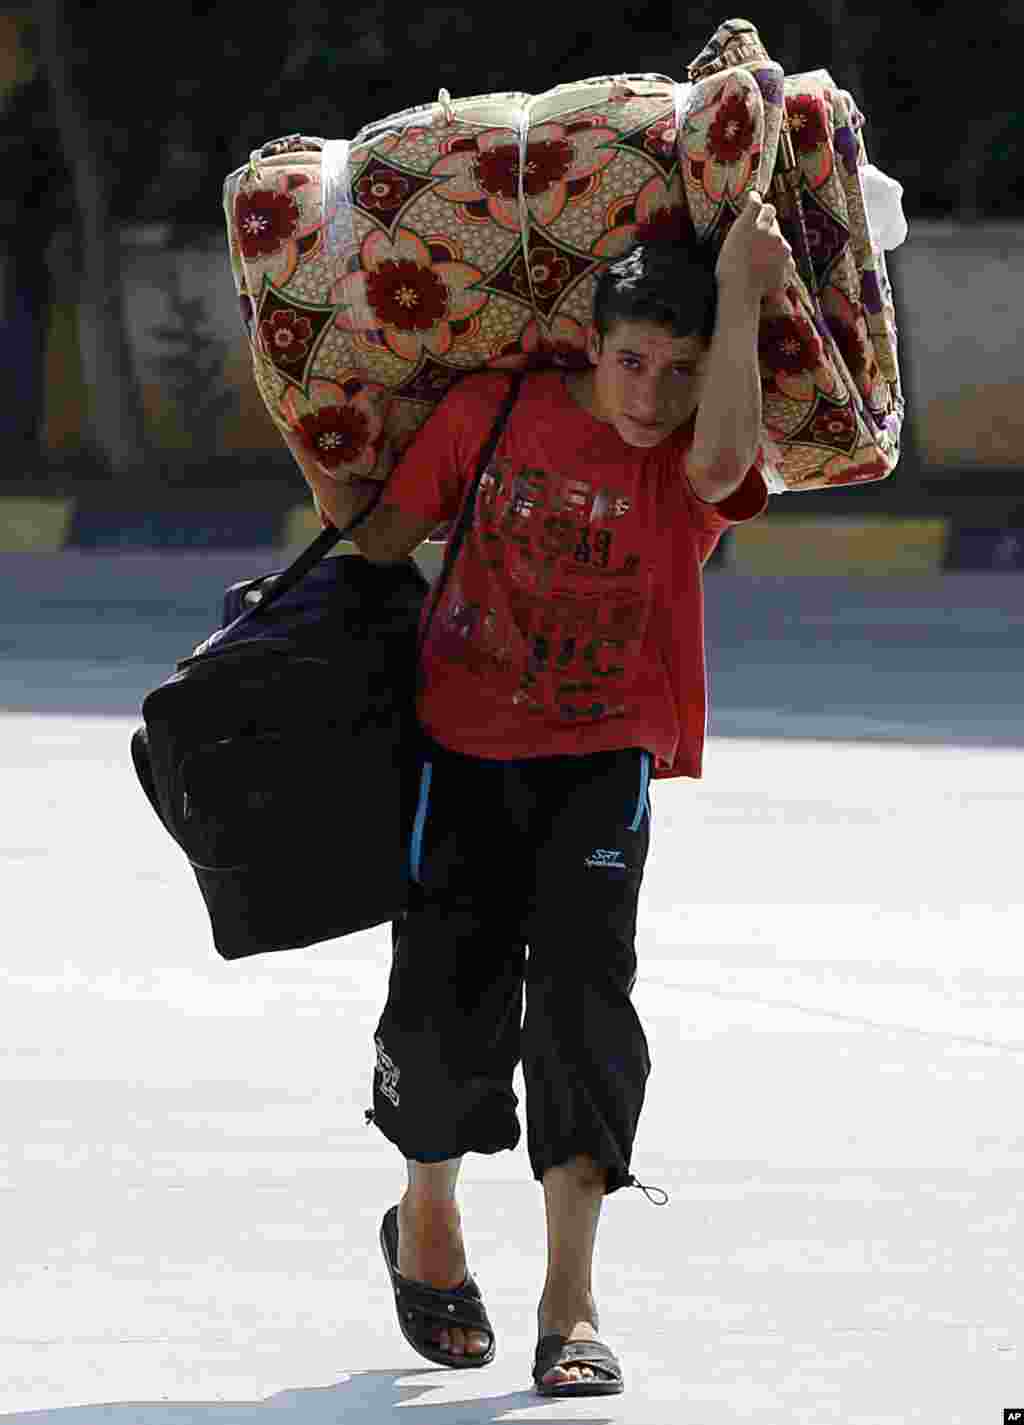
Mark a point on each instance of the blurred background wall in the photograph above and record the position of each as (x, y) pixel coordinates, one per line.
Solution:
(961, 288)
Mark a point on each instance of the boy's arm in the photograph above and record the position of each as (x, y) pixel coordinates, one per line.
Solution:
(387, 536)
(727, 435)
(426, 487)
(390, 535)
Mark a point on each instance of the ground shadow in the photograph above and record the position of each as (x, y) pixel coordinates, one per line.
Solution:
(369, 1396)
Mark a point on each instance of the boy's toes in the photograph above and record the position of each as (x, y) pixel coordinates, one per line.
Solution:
(459, 1342)
(560, 1376)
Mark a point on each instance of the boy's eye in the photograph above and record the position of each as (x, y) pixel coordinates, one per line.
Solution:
(632, 363)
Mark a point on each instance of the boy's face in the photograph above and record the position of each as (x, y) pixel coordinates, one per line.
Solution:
(646, 382)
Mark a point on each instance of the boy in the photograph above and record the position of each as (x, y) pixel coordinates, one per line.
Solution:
(564, 668)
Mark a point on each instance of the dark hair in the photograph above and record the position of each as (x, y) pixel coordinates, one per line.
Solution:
(669, 283)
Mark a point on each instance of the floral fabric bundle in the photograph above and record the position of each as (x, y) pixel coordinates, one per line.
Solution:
(461, 235)
(833, 399)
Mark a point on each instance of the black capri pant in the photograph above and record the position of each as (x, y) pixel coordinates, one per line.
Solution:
(544, 854)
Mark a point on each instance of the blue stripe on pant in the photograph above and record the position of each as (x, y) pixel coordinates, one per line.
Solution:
(416, 845)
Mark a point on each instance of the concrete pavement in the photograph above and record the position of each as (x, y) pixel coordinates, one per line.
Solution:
(933, 658)
(830, 979)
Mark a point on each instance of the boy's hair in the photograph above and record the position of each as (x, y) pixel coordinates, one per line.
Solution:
(669, 283)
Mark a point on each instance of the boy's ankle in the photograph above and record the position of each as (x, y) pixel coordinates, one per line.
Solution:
(426, 1199)
(563, 1311)
(431, 1183)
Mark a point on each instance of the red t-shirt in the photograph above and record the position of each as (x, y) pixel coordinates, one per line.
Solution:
(573, 620)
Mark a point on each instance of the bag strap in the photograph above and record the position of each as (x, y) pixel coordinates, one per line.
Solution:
(465, 518)
(300, 567)
(329, 537)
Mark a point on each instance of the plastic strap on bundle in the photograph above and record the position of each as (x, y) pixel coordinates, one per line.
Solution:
(771, 465)
(336, 197)
(683, 95)
(524, 209)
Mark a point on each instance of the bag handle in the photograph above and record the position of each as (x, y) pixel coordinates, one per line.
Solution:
(261, 599)
(465, 518)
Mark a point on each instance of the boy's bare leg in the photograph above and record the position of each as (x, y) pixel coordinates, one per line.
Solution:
(430, 1247)
(573, 1193)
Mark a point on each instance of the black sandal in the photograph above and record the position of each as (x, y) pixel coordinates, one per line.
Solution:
(555, 1350)
(422, 1308)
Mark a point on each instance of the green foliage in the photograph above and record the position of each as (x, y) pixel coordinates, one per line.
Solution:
(223, 79)
(192, 369)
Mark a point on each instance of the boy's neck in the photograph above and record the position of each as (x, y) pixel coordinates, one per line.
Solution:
(580, 386)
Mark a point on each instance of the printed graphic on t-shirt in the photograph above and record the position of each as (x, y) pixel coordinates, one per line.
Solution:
(561, 603)
(573, 619)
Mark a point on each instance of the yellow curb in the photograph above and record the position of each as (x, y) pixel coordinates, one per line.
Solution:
(799, 545)
(40, 526)
(806, 545)
(301, 527)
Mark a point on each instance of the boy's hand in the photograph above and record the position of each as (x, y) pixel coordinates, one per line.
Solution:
(340, 500)
(755, 255)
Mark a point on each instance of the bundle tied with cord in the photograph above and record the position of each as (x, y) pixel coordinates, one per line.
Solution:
(468, 234)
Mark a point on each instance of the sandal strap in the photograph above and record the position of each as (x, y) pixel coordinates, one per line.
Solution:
(588, 1353)
(462, 1307)
(554, 1351)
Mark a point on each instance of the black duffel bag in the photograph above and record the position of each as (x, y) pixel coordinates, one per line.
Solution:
(284, 755)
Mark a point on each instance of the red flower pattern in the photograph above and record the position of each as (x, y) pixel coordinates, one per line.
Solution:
(805, 119)
(549, 272)
(658, 213)
(722, 147)
(335, 435)
(402, 297)
(406, 296)
(834, 425)
(286, 337)
(563, 343)
(382, 190)
(732, 131)
(484, 170)
(661, 137)
(497, 171)
(666, 225)
(547, 163)
(264, 221)
(789, 344)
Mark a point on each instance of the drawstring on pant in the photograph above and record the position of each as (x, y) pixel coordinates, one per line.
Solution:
(632, 1182)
